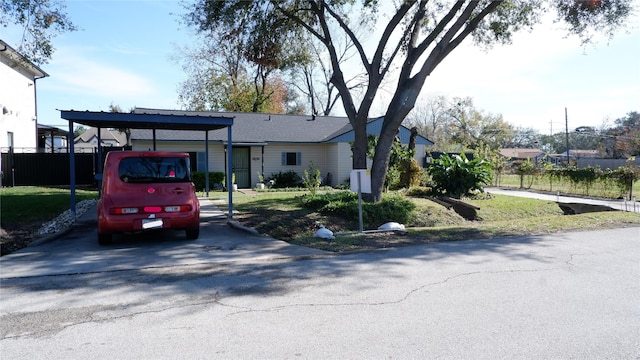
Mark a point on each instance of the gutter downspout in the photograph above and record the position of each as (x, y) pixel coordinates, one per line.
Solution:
(35, 99)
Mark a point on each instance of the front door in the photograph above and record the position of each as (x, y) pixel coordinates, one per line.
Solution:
(240, 166)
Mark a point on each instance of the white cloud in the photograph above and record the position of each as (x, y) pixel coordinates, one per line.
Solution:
(80, 75)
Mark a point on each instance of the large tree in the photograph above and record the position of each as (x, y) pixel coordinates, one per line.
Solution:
(227, 73)
(432, 118)
(454, 124)
(39, 21)
(627, 132)
(415, 36)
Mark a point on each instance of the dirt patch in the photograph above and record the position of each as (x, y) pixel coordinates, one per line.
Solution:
(299, 227)
(13, 239)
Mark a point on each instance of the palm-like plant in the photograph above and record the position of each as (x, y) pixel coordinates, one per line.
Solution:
(457, 176)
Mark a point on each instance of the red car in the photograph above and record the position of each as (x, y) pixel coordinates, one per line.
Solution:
(145, 190)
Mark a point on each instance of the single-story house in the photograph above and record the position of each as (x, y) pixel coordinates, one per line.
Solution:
(522, 154)
(52, 139)
(265, 144)
(582, 154)
(108, 138)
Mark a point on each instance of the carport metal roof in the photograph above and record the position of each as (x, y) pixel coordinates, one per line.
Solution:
(147, 120)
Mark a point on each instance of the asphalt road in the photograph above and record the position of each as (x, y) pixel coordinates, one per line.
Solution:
(232, 295)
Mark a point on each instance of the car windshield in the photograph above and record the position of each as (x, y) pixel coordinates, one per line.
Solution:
(154, 169)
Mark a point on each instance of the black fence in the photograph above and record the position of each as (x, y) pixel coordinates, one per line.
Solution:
(42, 169)
(47, 169)
(52, 169)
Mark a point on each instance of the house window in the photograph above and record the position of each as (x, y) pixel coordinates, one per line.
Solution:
(291, 158)
(201, 157)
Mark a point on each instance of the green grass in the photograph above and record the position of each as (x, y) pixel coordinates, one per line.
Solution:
(22, 205)
(511, 208)
(529, 226)
(542, 184)
(280, 215)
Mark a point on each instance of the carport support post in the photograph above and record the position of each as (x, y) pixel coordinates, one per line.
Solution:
(72, 170)
(206, 161)
(229, 172)
(360, 225)
(99, 163)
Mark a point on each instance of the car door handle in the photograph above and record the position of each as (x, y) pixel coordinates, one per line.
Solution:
(178, 190)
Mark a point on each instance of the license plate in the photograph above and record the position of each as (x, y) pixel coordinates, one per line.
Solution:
(151, 223)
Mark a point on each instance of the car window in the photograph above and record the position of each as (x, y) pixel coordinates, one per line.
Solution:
(154, 169)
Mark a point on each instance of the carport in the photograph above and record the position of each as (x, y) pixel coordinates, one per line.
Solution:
(146, 120)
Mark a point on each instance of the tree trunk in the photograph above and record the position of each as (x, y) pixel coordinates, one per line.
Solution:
(403, 101)
(360, 145)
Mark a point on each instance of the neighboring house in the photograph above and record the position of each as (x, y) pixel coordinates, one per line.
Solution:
(533, 155)
(269, 144)
(52, 139)
(583, 154)
(88, 140)
(18, 110)
(574, 156)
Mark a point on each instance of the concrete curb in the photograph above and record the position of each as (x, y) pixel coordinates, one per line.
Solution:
(236, 225)
(85, 220)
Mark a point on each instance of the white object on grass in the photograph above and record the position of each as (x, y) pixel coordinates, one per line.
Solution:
(324, 233)
(391, 226)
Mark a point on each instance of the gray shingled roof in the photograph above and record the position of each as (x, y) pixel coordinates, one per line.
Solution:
(105, 134)
(254, 128)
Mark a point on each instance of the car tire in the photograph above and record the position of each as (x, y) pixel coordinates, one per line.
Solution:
(105, 239)
(193, 233)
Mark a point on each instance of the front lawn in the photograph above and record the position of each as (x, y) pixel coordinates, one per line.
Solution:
(23, 210)
(282, 216)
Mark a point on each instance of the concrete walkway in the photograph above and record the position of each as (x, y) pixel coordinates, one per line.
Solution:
(624, 205)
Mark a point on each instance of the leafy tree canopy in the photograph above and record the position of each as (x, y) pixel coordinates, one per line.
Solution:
(40, 21)
(415, 36)
(227, 73)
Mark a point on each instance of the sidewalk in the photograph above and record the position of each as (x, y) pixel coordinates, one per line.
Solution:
(624, 205)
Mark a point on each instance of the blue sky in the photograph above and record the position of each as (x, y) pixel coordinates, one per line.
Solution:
(123, 55)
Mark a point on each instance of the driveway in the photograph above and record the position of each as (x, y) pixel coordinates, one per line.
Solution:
(220, 241)
(78, 251)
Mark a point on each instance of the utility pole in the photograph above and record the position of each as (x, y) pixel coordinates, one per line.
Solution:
(566, 124)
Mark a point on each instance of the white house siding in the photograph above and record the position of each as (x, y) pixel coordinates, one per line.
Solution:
(17, 107)
(216, 150)
(334, 158)
(177, 146)
(315, 153)
(340, 163)
(420, 154)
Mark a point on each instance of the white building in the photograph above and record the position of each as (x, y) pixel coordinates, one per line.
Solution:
(18, 111)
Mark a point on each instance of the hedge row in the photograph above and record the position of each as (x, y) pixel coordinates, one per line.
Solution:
(621, 178)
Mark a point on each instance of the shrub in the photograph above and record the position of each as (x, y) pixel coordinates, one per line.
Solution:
(526, 168)
(457, 176)
(625, 176)
(311, 179)
(286, 179)
(392, 207)
(410, 173)
(198, 178)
